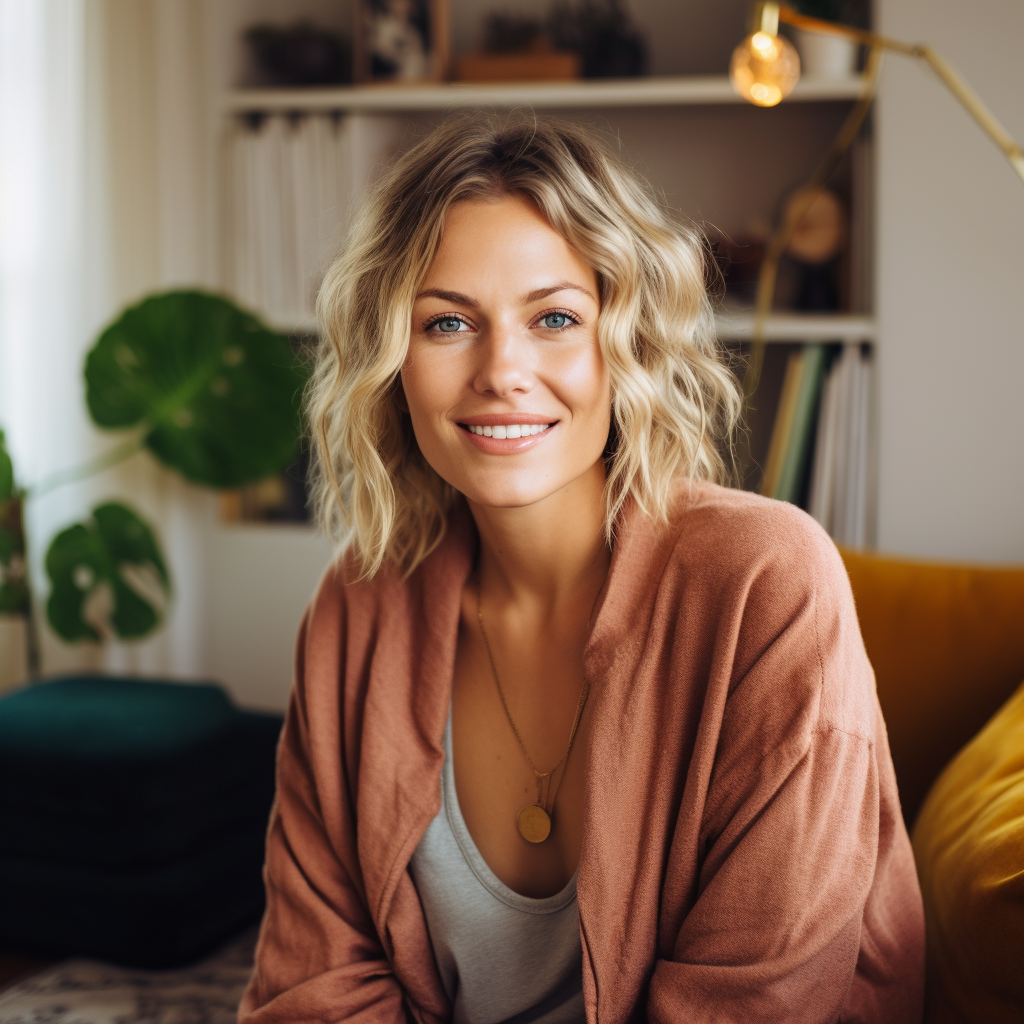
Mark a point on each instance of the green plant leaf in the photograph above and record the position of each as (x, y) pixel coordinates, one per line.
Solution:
(6, 472)
(216, 391)
(114, 550)
(14, 597)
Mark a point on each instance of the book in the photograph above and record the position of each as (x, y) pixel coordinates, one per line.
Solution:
(783, 425)
(839, 497)
(794, 461)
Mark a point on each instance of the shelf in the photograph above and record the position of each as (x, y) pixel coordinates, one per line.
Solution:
(798, 327)
(622, 92)
(731, 326)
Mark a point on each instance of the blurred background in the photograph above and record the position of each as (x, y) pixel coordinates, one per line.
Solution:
(147, 145)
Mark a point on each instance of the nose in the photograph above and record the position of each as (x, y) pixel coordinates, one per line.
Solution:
(505, 365)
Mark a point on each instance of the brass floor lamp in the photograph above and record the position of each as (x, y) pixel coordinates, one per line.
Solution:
(764, 70)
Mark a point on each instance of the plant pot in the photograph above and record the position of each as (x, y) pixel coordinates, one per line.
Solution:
(826, 56)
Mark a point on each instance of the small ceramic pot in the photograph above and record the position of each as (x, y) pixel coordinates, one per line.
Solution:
(826, 56)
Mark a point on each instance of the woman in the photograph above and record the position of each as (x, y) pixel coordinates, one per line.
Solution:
(576, 732)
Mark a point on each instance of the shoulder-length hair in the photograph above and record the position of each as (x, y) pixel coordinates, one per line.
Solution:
(675, 402)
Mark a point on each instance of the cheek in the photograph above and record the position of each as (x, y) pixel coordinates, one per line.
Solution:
(423, 385)
(586, 386)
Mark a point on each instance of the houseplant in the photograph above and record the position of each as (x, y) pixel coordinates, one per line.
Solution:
(205, 388)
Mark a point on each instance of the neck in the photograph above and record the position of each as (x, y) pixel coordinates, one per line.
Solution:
(550, 556)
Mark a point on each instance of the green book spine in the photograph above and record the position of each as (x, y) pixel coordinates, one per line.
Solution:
(803, 424)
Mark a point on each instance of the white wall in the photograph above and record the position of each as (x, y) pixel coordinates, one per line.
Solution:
(951, 289)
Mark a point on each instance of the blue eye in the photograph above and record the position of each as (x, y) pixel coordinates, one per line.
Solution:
(554, 321)
(449, 325)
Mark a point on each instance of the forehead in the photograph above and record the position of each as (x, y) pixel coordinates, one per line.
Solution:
(503, 240)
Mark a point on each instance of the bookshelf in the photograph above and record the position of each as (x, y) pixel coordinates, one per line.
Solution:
(711, 157)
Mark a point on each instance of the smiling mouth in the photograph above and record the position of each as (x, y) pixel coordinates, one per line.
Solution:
(510, 430)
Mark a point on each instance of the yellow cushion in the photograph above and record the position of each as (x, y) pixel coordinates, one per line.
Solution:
(969, 845)
(947, 646)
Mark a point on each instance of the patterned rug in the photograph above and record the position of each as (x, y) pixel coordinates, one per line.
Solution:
(89, 992)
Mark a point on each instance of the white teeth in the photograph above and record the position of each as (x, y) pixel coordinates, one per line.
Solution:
(510, 430)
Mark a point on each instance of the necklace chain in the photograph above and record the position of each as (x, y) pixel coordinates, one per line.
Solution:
(541, 776)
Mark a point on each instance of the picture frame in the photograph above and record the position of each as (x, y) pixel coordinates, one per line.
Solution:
(400, 41)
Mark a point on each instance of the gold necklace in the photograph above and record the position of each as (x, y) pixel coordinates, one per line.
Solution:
(533, 820)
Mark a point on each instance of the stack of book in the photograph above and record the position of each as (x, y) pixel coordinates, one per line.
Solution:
(839, 487)
(818, 444)
(287, 192)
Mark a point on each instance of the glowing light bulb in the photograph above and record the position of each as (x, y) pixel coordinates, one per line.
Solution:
(764, 69)
(764, 45)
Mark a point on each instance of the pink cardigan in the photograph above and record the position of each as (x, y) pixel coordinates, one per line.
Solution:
(744, 857)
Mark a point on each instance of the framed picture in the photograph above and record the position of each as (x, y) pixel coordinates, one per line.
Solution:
(401, 41)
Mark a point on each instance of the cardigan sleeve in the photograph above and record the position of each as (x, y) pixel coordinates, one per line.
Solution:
(807, 906)
(318, 957)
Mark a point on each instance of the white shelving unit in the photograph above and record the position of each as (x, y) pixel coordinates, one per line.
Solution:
(376, 121)
(603, 93)
(712, 157)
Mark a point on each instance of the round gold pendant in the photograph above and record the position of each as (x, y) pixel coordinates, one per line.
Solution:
(534, 823)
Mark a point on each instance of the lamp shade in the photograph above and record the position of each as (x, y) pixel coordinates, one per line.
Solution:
(764, 68)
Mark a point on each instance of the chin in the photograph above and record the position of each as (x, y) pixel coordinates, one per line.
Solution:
(507, 493)
(506, 497)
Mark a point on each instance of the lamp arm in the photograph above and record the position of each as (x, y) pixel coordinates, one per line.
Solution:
(973, 105)
(956, 85)
(833, 28)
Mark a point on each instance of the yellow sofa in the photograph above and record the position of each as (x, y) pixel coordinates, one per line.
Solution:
(947, 646)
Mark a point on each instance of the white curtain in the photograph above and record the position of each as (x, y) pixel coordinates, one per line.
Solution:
(92, 112)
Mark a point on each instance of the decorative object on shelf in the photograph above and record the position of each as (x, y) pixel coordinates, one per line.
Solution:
(301, 54)
(602, 33)
(513, 33)
(738, 259)
(516, 49)
(815, 246)
(401, 40)
(210, 392)
(829, 56)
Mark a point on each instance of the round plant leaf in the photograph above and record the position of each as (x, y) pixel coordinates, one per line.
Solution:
(216, 391)
(6, 472)
(113, 550)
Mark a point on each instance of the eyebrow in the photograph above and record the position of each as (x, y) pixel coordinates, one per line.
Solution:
(534, 296)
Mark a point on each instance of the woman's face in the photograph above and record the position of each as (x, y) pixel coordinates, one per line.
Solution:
(505, 383)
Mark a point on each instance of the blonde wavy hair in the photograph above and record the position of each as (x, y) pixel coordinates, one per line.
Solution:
(675, 402)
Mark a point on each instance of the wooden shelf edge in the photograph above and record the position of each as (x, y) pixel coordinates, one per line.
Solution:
(679, 90)
(825, 327)
(733, 326)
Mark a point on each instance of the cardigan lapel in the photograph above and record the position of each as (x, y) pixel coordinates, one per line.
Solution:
(617, 904)
(410, 692)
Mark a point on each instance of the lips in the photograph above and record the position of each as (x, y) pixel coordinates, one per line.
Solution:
(506, 433)
(503, 431)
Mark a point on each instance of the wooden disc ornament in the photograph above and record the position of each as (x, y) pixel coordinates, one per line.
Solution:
(534, 823)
